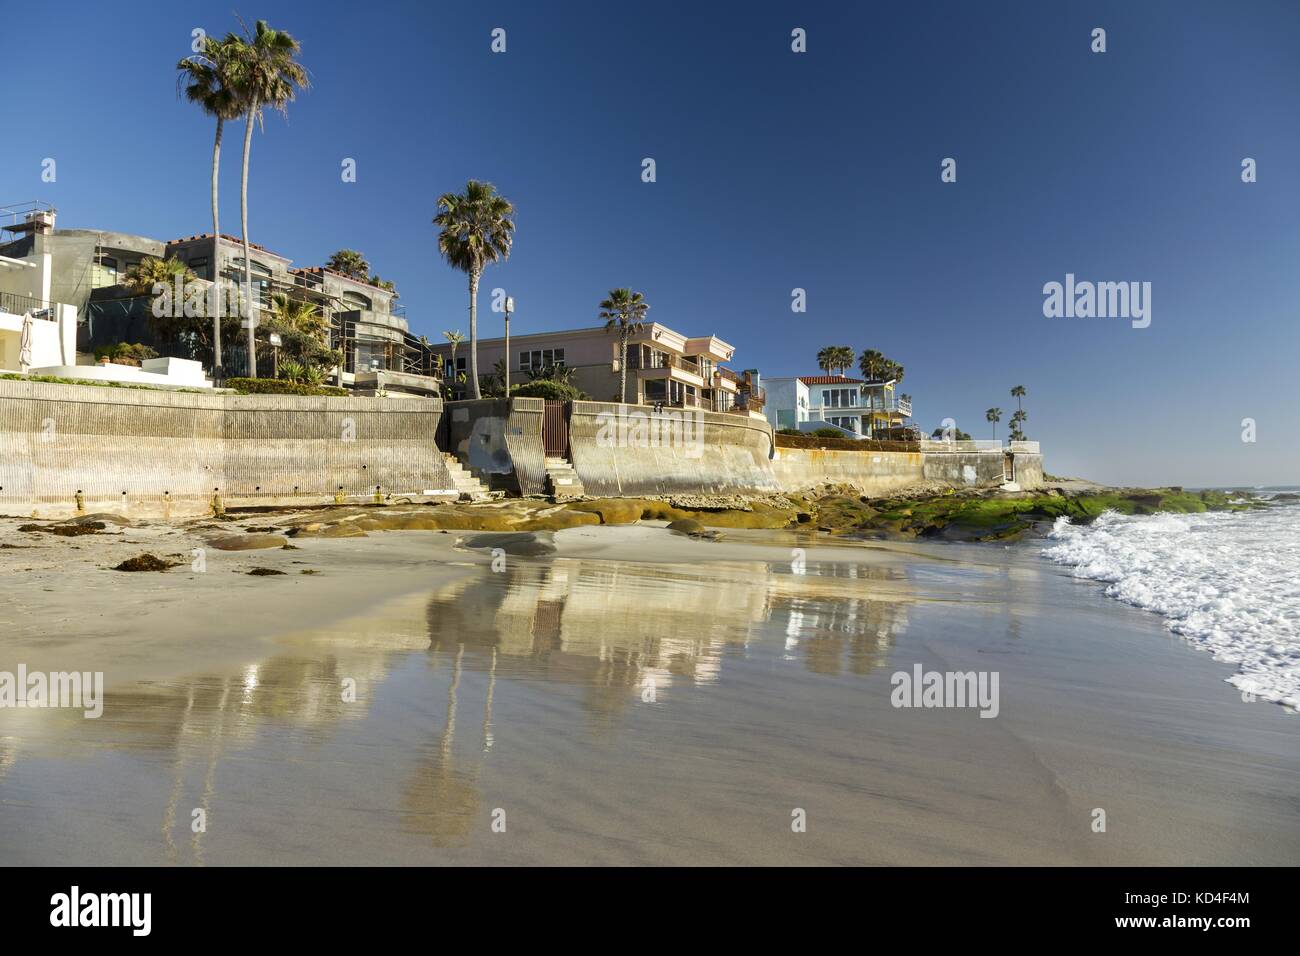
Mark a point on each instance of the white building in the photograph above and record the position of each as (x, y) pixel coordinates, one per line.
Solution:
(25, 291)
(857, 408)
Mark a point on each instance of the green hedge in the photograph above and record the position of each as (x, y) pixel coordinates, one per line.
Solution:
(56, 380)
(278, 386)
(545, 388)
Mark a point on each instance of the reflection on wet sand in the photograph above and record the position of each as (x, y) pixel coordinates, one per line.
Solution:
(610, 627)
(623, 633)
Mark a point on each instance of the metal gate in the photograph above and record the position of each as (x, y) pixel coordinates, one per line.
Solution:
(555, 429)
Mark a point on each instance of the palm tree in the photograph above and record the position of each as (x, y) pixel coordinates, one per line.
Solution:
(350, 263)
(304, 317)
(994, 415)
(872, 365)
(892, 371)
(835, 359)
(825, 358)
(1018, 419)
(624, 310)
(844, 358)
(476, 231)
(455, 338)
(149, 271)
(1018, 392)
(208, 83)
(265, 73)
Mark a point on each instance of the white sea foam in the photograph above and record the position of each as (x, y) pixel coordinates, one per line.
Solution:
(1228, 582)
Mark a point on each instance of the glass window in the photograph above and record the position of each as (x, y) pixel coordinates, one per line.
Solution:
(104, 272)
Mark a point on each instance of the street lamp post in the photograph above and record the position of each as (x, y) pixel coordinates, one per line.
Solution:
(510, 307)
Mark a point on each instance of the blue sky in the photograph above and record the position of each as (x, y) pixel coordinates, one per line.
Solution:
(774, 171)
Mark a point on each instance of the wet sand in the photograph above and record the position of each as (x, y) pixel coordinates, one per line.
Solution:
(637, 697)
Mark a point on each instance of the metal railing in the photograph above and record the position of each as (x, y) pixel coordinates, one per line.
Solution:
(17, 214)
(18, 304)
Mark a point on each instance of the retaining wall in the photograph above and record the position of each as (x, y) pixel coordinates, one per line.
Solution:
(500, 441)
(632, 450)
(974, 463)
(871, 472)
(148, 452)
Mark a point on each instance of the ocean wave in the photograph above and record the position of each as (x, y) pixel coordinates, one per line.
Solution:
(1228, 582)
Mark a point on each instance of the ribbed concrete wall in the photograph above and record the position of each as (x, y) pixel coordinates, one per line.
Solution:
(712, 453)
(871, 472)
(160, 453)
(524, 439)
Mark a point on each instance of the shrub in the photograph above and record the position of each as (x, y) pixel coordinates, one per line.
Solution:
(788, 431)
(828, 433)
(545, 388)
(278, 386)
(125, 353)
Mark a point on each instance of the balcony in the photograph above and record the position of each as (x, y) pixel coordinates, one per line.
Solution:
(19, 304)
(902, 406)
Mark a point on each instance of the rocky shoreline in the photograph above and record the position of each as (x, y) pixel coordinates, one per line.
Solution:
(930, 512)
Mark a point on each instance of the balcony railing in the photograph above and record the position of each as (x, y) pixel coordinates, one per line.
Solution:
(901, 405)
(18, 304)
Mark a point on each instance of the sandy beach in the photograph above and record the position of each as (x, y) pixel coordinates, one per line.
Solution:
(635, 696)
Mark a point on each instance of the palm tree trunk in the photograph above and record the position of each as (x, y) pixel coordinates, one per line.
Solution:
(622, 366)
(248, 262)
(216, 257)
(474, 392)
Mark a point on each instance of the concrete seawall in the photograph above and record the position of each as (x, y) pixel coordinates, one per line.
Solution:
(871, 472)
(164, 453)
(154, 453)
(632, 450)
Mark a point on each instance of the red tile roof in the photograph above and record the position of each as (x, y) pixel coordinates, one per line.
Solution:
(235, 239)
(829, 380)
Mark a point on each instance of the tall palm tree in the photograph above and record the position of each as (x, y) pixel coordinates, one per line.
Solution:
(208, 83)
(993, 416)
(624, 310)
(265, 73)
(350, 263)
(477, 230)
(892, 371)
(1018, 392)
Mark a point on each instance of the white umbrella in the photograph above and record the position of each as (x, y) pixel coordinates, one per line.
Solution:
(25, 343)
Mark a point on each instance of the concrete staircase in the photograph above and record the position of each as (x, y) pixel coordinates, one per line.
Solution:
(468, 487)
(561, 480)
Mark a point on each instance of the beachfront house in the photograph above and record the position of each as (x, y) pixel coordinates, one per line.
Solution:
(662, 366)
(857, 408)
(85, 270)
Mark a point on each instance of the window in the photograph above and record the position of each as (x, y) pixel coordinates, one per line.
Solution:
(104, 272)
(200, 267)
(840, 397)
(261, 274)
(355, 300)
(539, 359)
